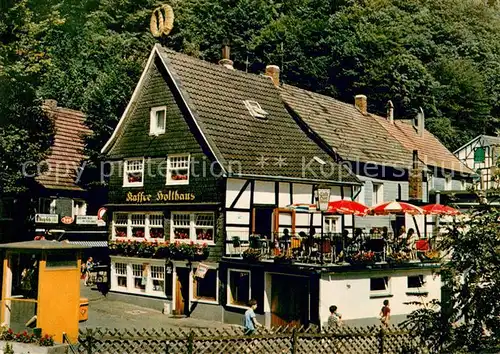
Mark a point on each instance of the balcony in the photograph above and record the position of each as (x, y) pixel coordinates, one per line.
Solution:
(333, 250)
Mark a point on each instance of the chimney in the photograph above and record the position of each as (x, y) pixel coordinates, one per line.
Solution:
(361, 104)
(50, 104)
(390, 111)
(226, 52)
(420, 122)
(273, 71)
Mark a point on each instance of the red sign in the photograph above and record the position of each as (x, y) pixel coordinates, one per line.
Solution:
(67, 220)
(100, 213)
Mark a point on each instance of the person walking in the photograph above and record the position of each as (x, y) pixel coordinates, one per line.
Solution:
(385, 313)
(88, 267)
(335, 318)
(250, 320)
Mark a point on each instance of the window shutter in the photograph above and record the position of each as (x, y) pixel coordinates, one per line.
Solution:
(479, 155)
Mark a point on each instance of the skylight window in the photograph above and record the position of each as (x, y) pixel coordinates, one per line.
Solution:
(319, 160)
(255, 109)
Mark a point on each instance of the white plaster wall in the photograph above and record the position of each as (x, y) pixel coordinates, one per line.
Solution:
(351, 293)
(238, 217)
(302, 193)
(264, 193)
(233, 189)
(284, 195)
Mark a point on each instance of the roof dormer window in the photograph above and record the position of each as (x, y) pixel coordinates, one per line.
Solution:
(255, 109)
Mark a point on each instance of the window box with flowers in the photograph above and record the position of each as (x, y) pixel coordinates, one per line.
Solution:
(148, 225)
(178, 169)
(192, 227)
(133, 173)
(189, 251)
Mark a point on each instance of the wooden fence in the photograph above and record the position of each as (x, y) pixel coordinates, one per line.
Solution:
(366, 340)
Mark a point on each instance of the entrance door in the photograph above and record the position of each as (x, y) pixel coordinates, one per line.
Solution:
(182, 291)
(289, 300)
(263, 221)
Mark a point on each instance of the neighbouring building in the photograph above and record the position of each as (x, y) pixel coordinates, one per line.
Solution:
(206, 163)
(58, 206)
(481, 154)
(396, 159)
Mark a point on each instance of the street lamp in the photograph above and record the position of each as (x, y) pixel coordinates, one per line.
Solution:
(323, 193)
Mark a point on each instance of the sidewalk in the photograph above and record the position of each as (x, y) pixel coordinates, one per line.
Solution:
(118, 314)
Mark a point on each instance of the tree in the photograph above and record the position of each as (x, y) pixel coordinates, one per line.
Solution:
(25, 130)
(468, 319)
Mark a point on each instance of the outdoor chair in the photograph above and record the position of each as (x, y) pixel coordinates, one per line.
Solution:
(422, 246)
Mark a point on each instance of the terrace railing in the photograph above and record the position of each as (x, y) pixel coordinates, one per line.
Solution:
(331, 248)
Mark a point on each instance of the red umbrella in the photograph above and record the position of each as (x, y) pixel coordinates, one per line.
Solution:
(347, 207)
(394, 207)
(439, 209)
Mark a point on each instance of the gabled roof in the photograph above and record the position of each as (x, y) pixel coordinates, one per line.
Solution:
(66, 154)
(367, 138)
(487, 140)
(354, 136)
(275, 147)
(430, 150)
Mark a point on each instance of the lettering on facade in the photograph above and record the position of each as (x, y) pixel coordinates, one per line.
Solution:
(170, 196)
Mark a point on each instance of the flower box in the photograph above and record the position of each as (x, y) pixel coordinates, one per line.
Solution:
(362, 258)
(252, 255)
(33, 348)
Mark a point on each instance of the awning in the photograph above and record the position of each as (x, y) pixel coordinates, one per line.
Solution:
(93, 244)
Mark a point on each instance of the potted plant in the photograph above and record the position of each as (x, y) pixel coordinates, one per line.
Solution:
(398, 257)
(362, 258)
(252, 254)
(431, 256)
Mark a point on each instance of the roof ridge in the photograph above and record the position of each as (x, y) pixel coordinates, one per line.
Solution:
(261, 76)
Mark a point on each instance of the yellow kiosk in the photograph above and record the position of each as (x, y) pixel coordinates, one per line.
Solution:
(41, 287)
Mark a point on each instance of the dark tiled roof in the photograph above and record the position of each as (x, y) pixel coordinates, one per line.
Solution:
(354, 136)
(216, 94)
(66, 154)
(368, 138)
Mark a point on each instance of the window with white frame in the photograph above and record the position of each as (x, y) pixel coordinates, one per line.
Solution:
(178, 169)
(139, 277)
(158, 278)
(378, 193)
(205, 288)
(331, 224)
(255, 109)
(380, 286)
(192, 226)
(133, 173)
(238, 287)
(79, 208)
(153, 278)
(139, 225)
(430, 181)
(416, 281)
(447, 183)
(158, 120)
(121, 274)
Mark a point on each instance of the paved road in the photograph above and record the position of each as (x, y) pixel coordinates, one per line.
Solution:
(118, 314)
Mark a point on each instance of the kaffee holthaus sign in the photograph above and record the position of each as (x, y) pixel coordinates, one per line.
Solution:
(169, 196)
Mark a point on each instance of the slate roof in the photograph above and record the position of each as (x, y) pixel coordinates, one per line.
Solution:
(354, 136)
(215, 96)
(367, 138)
(66, 154)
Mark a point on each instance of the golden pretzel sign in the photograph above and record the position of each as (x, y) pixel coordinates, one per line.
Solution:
(162, 21)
